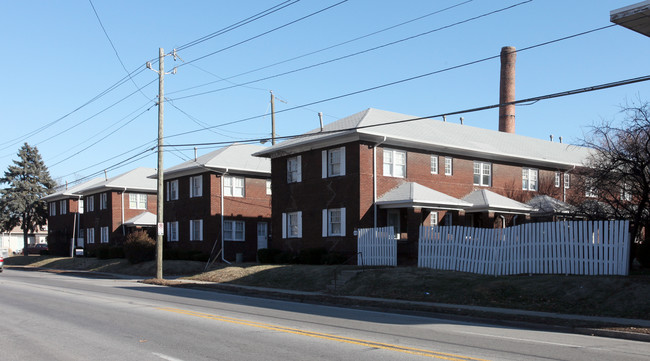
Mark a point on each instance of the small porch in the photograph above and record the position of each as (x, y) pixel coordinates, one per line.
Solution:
(492, 210)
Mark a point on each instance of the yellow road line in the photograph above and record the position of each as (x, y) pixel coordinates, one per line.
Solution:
(325, 336)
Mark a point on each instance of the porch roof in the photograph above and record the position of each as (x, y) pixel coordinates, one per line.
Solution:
(411, 194)
(144, 219)
(484, 200)
(547, 205)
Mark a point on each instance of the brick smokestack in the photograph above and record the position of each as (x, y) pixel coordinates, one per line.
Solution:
(507, 89)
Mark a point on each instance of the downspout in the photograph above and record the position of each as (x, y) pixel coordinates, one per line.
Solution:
(374, 181)
(503, 221)
(223, 244)
(74, 229)
(564, 184)
(123, 231)
(514, 220)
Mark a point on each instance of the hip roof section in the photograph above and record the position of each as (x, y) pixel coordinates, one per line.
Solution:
(235, 158)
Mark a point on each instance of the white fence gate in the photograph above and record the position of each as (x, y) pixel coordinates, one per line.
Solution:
(581, 247)
(376, 247)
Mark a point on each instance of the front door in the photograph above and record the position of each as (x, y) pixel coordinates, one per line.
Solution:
(262, 235)
(393, 221)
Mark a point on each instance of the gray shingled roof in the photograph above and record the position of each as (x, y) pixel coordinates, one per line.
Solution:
(484, 200)
(144, 219)
(435, 136)
(73, 191)
(547, 205)
(236, 158)
(134, 180)
(411, 194)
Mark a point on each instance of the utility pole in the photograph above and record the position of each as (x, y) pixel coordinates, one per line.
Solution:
(272, 118)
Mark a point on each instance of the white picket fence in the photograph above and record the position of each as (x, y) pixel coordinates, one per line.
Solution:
(376, 247)
(580, 247)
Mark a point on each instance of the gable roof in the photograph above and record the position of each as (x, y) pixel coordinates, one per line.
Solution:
(236, 158)
(395, 129)
(133, 180)
(484, 200)
(144, 219)
(411, 194)
(72, 192)
(547, 205)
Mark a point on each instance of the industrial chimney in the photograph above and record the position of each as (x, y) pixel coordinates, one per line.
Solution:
(507, 89)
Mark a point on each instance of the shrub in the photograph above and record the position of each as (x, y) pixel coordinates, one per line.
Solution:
(285, 258)
(267, 255)
(643, 253)
(334, 258)
(171, 254)
(102, 252)
(312, 255)
(139, 247)
(116, 252)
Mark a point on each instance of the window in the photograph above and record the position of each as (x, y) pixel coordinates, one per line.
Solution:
(233, 230)
(233, 186)
(434, 164)
(63, 206)
(172, 190)
(626, 192)
(294, 170)
(590, 188)
(90, 233)
(334, 222)
(172, 231)
(268, 186)
(196, 230)
(90, 203)
(394, 163)
(434, 219)
(52, 208)
(557, 179)
(81, 206)
(567, 178)
(196, 186)
(292, 225)
(137, 201)
(482, 174)
(103, 236)
(449, 163)
(103, 200)
(333, 162)
(529, 179)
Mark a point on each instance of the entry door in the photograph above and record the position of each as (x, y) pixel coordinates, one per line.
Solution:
(262, 235)
(393, 221)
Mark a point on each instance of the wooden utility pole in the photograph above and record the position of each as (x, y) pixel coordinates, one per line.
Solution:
(159, 199)
(272, 119)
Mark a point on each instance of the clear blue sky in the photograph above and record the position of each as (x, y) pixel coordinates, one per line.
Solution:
(56, 58)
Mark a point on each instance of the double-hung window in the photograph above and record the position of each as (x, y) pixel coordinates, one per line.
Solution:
(90, 235)
(90, 203)
(333, 162)
(434, 164)
(334, 222)
(449, 165)
(482, 174)
(558, 179)
(433, 219)
(103, 235)
(268, 187)
(292, 225)
(172, 190)
(63, 206)
(394, 163)
(567, 180)
(196, 230)
(52, 208)
(137, 201)
(294, 170)
(529, 179)
(233, 230)
(196, 186)
(626, 192)
(590, 188)
(233, 186)
(103, 200)
(172, 231)
(81, 206)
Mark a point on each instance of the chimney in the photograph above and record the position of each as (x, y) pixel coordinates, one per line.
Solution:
(507, 89)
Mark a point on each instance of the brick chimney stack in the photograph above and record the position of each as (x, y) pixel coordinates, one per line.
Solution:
(507, 89)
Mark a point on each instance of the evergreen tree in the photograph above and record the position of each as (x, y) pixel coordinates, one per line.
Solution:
(27, 181)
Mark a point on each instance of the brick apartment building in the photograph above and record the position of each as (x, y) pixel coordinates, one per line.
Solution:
(198, 217)
(117, 206)
(378, 168)
(65, 210)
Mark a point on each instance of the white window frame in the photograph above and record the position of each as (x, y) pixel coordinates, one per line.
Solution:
(90, 233)
(333, 162)
(626, 192)
(449, 166)
(395, 163)
(80, 205)
(196, 186)
(196, 226)
(590, 189)
(103, 235)
(63, 206)
(434, 164)
(172, 231)
(172, 190)
(137, 201)
(103, 200)
(558, 180)
(567, 180)
(294, 169)
(234, 230)
(90, 203)
(234, 186)
(268, 187)
(333, 222)
(292, 225)
(484, 174)
(433, 221)
(52, 208)
(529, 179)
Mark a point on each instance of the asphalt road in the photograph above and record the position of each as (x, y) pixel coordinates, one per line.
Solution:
(65, 317)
